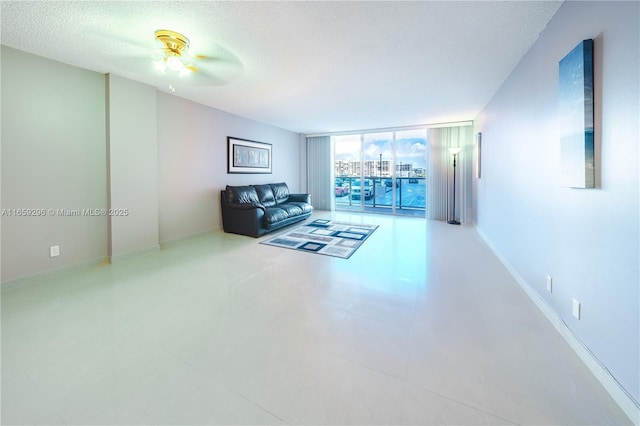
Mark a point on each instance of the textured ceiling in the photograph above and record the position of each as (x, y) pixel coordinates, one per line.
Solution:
(305, 66)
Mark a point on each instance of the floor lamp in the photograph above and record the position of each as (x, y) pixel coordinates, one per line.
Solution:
(455, 152)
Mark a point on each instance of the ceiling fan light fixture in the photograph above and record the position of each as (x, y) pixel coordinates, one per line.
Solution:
(173, 46)
(174, 63)
(160, 65)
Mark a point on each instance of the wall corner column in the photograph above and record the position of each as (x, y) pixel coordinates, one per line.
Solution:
(132, 167)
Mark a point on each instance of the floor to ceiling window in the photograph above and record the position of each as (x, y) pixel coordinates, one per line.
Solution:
(381, 172)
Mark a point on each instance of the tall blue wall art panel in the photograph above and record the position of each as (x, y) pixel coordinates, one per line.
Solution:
(577, 162)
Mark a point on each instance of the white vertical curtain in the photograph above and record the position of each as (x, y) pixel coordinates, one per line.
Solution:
(320, 172)
(440, 181)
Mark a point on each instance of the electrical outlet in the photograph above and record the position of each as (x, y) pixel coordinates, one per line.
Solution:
(576, 308)
(549, 284)
(54, 251)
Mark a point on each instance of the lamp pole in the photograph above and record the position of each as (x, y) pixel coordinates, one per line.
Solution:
(455, 152)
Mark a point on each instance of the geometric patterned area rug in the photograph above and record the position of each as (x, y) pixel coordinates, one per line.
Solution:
(324, 236)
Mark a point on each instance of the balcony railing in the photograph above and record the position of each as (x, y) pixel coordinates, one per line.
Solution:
(410, 194)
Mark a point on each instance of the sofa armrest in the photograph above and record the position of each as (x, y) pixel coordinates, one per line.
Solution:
(301, 198)
(242, 218)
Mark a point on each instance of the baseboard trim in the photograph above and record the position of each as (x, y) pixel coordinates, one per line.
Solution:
(131, 254)
(624, 400)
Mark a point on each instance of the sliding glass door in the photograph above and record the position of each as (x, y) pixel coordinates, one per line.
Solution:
(411, 167)
(347, 161)
(378, 156)
(381, 172)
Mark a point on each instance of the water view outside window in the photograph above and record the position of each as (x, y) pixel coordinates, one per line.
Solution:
(382, 172)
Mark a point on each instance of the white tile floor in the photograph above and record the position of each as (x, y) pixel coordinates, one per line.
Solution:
(421, 326)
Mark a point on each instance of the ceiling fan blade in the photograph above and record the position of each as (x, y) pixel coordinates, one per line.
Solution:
(192, 68)
(125, 43)
(212, 51)
(204, 78)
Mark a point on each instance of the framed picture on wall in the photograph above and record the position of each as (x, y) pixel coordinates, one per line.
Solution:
(576, 80)
(245, 156)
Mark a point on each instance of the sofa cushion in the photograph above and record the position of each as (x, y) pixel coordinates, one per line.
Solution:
(280, 192)
(291, 209)
(242, 194)
(265, 195)
(304, 207)
(274, 214)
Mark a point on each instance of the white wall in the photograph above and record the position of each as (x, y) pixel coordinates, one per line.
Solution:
(192, 159)
(586, 239)
(53, 157)
(133, 166)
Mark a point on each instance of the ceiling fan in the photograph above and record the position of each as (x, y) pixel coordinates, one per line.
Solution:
(175, 49)
(172, 56)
